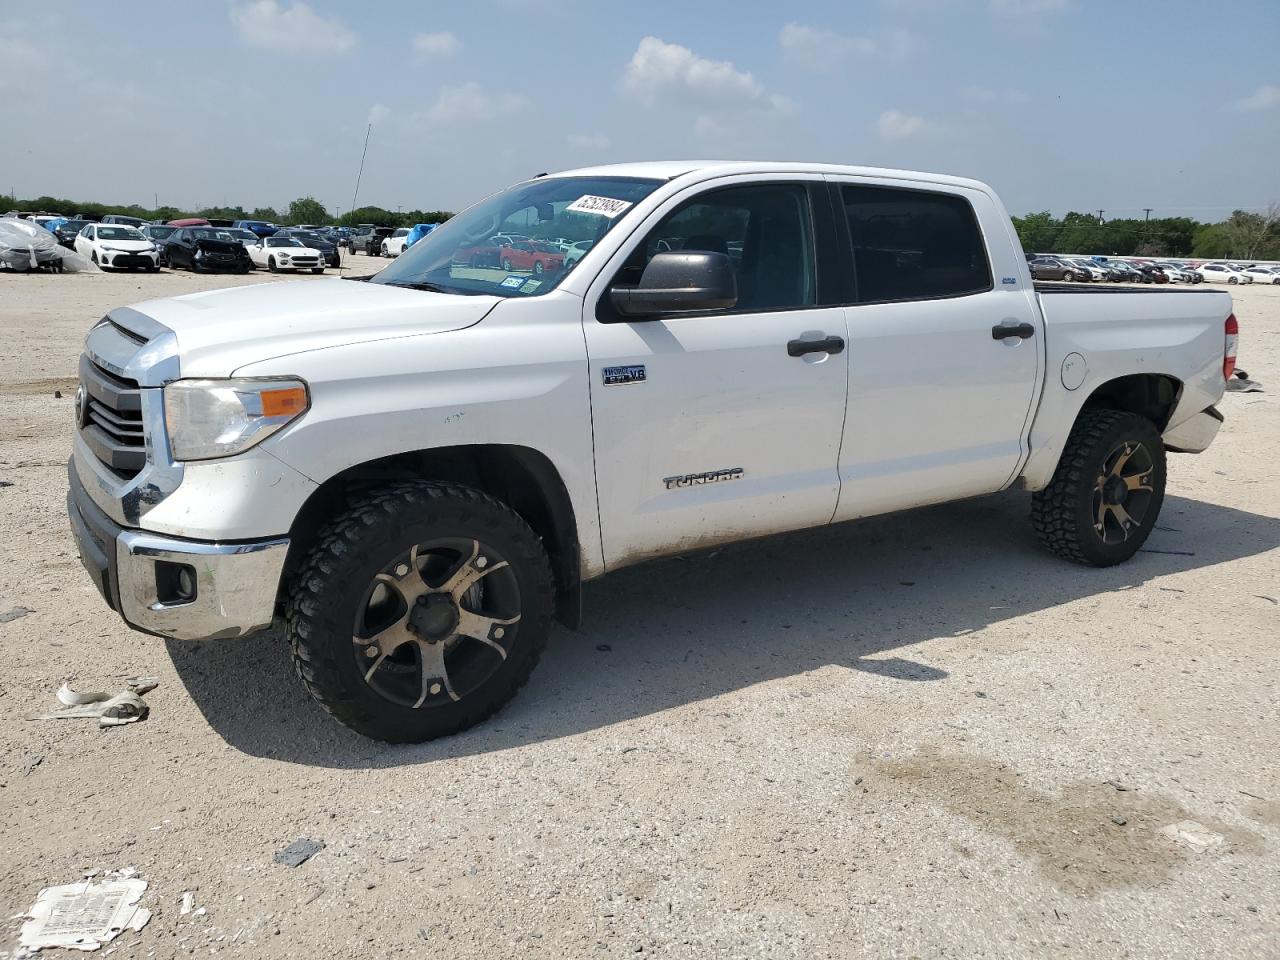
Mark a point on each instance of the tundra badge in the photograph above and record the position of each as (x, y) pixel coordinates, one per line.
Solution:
(695, 479)
(613, 376)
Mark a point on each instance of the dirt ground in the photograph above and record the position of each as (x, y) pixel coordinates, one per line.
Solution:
(916, 736)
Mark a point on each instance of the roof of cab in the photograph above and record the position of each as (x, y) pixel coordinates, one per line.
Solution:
(710, 169)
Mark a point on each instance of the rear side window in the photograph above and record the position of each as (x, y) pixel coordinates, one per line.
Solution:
(914, 245)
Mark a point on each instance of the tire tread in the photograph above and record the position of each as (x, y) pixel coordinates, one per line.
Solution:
(307, 613)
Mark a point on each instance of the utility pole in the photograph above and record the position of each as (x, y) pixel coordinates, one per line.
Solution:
(1147, 210)
(356, 191)
(1100, 212)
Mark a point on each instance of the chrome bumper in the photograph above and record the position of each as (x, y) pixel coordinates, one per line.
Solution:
(1194, 435)
(235, 585)
(185, 589)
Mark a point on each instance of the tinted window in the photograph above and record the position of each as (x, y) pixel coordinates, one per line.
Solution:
(765, 232)
(913, 245)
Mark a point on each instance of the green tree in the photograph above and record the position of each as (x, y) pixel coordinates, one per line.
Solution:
(264, 213)
(1083, 234)
(370, 215)
(1211, 242)
(1038, 231)
(307, 210)
(223, 213)
(425, 216)
(1252, 236)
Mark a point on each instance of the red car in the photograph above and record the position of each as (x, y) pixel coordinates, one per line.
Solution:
(530, 255)
(190, 222)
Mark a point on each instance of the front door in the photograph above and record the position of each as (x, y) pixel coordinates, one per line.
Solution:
(708, 427)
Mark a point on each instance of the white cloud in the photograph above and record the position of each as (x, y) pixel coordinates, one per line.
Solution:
(987, 95)
(1264, 98)
(667, 72)
(379, 113)
(1027, 8)
(589, 141)
(824, 50)
(293, 29)
(470, 101)
(436, 44)
(895, 125)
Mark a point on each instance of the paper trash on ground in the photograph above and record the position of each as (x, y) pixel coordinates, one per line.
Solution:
(85, 915)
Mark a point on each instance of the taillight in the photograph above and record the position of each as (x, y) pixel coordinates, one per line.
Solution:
(1232, 329)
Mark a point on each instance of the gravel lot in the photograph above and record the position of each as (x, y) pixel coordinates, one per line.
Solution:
(903, 737)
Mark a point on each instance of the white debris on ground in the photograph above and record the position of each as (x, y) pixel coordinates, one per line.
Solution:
(84, 915)
(1192, 835)
(110, 710)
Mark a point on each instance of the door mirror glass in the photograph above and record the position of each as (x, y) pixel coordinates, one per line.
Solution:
(679, 282)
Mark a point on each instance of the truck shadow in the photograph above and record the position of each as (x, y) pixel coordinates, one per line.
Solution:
(669, 633)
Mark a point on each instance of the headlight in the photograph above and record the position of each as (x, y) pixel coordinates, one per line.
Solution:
(208, 419)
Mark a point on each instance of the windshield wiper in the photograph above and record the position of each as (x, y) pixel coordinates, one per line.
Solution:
(429, 287)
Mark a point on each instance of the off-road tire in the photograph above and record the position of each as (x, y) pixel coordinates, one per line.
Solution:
(1062, 513)
(329, 588)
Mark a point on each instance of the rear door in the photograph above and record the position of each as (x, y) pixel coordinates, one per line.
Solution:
(946, 346)
(726, 424)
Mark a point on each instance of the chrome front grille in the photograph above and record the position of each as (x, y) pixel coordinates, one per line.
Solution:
(110, 419)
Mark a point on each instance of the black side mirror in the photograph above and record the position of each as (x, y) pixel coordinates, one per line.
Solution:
(686, 281)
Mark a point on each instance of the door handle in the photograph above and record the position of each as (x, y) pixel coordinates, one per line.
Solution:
(798, 348)
(1020, 330)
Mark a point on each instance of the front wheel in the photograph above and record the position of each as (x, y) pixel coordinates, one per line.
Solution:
(421, 611)
(1106, 494)
(271, 264)
(506, 265)
(317, 269)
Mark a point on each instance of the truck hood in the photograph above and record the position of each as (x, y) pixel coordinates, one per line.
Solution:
(221, 330)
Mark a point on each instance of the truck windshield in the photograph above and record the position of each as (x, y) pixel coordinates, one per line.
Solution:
(497, 248)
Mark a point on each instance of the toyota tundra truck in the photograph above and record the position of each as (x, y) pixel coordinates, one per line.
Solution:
(414, 472)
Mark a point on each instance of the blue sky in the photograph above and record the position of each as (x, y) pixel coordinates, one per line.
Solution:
(1060, 104)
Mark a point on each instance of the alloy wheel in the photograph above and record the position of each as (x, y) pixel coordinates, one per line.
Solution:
(1122, 492)
(437, 622)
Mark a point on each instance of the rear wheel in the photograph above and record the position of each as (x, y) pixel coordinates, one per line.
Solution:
(1106, 494)
(421, 611)
(538, 268)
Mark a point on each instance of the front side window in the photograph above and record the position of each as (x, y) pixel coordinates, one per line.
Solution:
(914, 245)
(765, 231)
(465, 255)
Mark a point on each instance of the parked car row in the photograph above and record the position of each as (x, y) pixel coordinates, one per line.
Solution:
(199, 248)
(1097, 269)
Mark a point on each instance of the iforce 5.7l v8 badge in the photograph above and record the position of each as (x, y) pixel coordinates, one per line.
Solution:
(615, 376)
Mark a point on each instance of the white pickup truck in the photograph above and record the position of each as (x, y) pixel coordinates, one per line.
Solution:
(417, 470)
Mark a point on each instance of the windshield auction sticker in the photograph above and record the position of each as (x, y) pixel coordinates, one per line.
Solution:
(602, 206)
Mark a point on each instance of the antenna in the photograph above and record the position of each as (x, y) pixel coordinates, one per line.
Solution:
(356, 191)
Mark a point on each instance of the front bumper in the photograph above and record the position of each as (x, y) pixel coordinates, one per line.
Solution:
(229, 589)
(130, 260)
(1195, 434)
